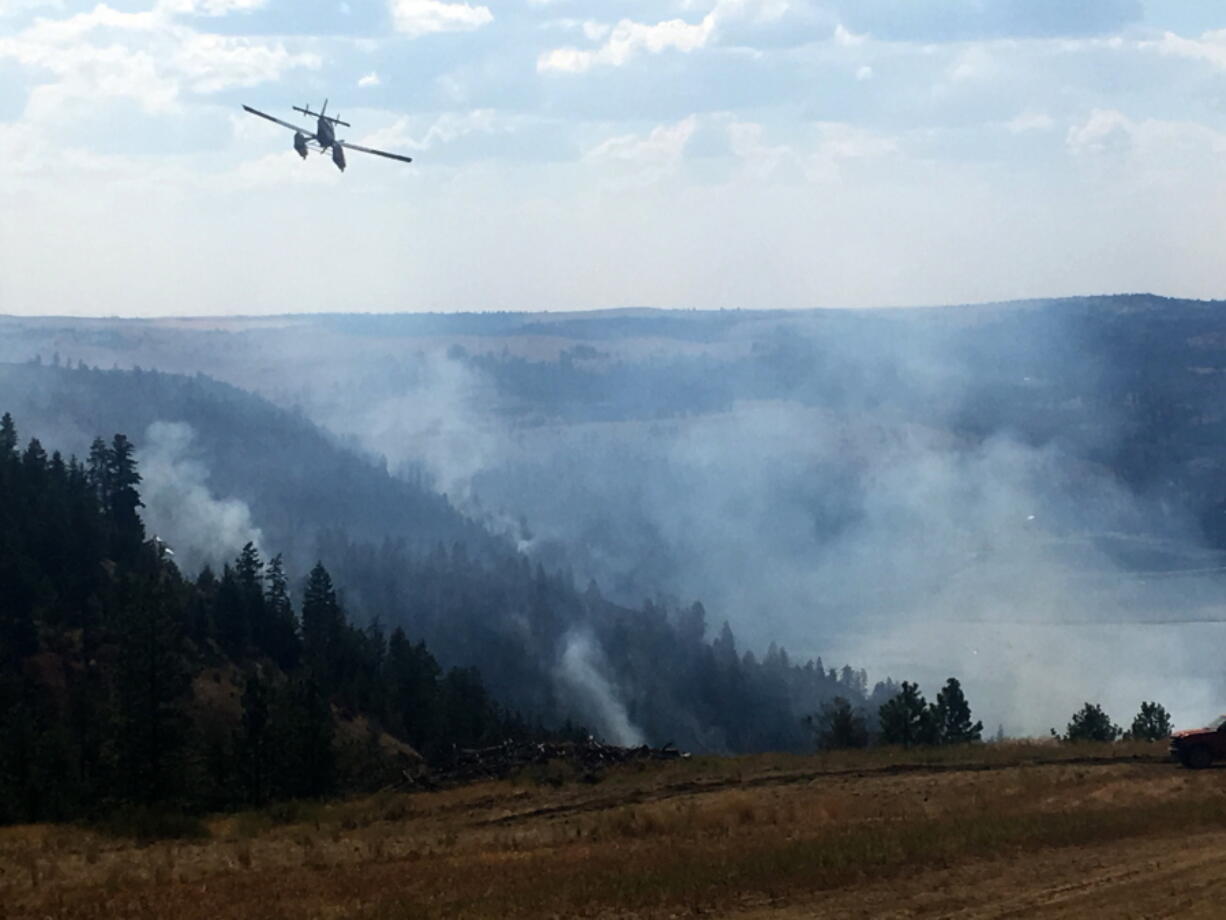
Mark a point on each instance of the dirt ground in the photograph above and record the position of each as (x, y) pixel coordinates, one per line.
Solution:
(1169, 877)
(997, 832)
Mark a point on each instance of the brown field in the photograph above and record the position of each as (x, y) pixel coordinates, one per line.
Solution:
(1010, 830)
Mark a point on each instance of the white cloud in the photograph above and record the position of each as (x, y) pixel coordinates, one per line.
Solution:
(211, 63)
(423, 17)
(144, 56)
(839, 143)
(275, 169)
(446, 128)
(761, 160)
(596, 31)
(1210, 47)
(974, 63)
(13, 7)
(845, 37)
(1104, 131)
(210, 7)
(1028, 121)
(864, 73)
(628, 38)
(1160, 148)
(371, 79)
(646, 158)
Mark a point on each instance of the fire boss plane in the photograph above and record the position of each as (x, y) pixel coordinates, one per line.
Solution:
(324, 136)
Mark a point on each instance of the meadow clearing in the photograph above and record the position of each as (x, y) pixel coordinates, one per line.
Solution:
(992, 830)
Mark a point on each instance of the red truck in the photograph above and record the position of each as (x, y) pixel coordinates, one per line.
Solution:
(1197, 748)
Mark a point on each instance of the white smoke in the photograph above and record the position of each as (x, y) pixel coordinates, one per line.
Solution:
(179, 506)
(441, 424)
(579, 671)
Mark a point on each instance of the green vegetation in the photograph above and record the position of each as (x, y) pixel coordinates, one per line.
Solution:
(1152, 723)
(907, 719)
(1090, 723)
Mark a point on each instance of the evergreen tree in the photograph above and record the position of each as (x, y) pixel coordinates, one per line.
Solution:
(308, 761)
(230, 614)
(284, 645)
(255, 745)
(249, 584)
(905, 718)
(34, 463)
(8, 437)
(1090, 723)
(413, 692)
(951, 716)
(99, 472)
(151, 684)
(1152, 723)
(123, 500)
(838, 725)
(322, 627)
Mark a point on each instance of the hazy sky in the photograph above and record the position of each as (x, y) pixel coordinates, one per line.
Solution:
(574, 154)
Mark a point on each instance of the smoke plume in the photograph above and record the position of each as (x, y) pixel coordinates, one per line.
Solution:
(179, 506)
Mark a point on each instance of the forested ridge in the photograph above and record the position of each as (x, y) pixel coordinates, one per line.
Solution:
(294, 476)
(124, 682)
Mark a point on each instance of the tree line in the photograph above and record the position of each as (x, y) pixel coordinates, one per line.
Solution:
(908, 720)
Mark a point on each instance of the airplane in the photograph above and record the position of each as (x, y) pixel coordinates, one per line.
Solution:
(324, 136)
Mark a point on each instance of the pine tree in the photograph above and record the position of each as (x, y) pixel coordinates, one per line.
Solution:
(99, 472)
(284, 644)
(34, 464)
(307, 762)
(413, 691)
(249, 581)
(1090, 723)
(905, 718)
(322, 626)
(255, 744)
(1152, 723)
(951, 716)
(8, 437)
(229, 613)
(837, 726)
(151, 684)
(122, 500)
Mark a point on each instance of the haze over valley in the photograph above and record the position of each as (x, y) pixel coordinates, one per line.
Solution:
(1025, 495)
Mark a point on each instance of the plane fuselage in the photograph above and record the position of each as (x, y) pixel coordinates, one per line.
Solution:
(325, 133)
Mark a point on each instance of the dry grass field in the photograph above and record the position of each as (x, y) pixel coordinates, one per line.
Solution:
(1008, 830)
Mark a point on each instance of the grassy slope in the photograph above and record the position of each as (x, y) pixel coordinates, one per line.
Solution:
(712, 834)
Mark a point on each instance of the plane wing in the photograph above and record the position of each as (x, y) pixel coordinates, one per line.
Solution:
(378, 153)
(309, 135)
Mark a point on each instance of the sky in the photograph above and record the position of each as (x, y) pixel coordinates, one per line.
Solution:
(580, 155)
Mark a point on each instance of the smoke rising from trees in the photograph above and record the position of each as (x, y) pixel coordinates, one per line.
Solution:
(179, 505)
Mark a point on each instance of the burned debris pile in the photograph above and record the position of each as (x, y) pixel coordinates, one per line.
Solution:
(501, 760)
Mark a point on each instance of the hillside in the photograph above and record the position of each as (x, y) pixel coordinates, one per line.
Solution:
(553, 654)
(128, 688)
(294, 479)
